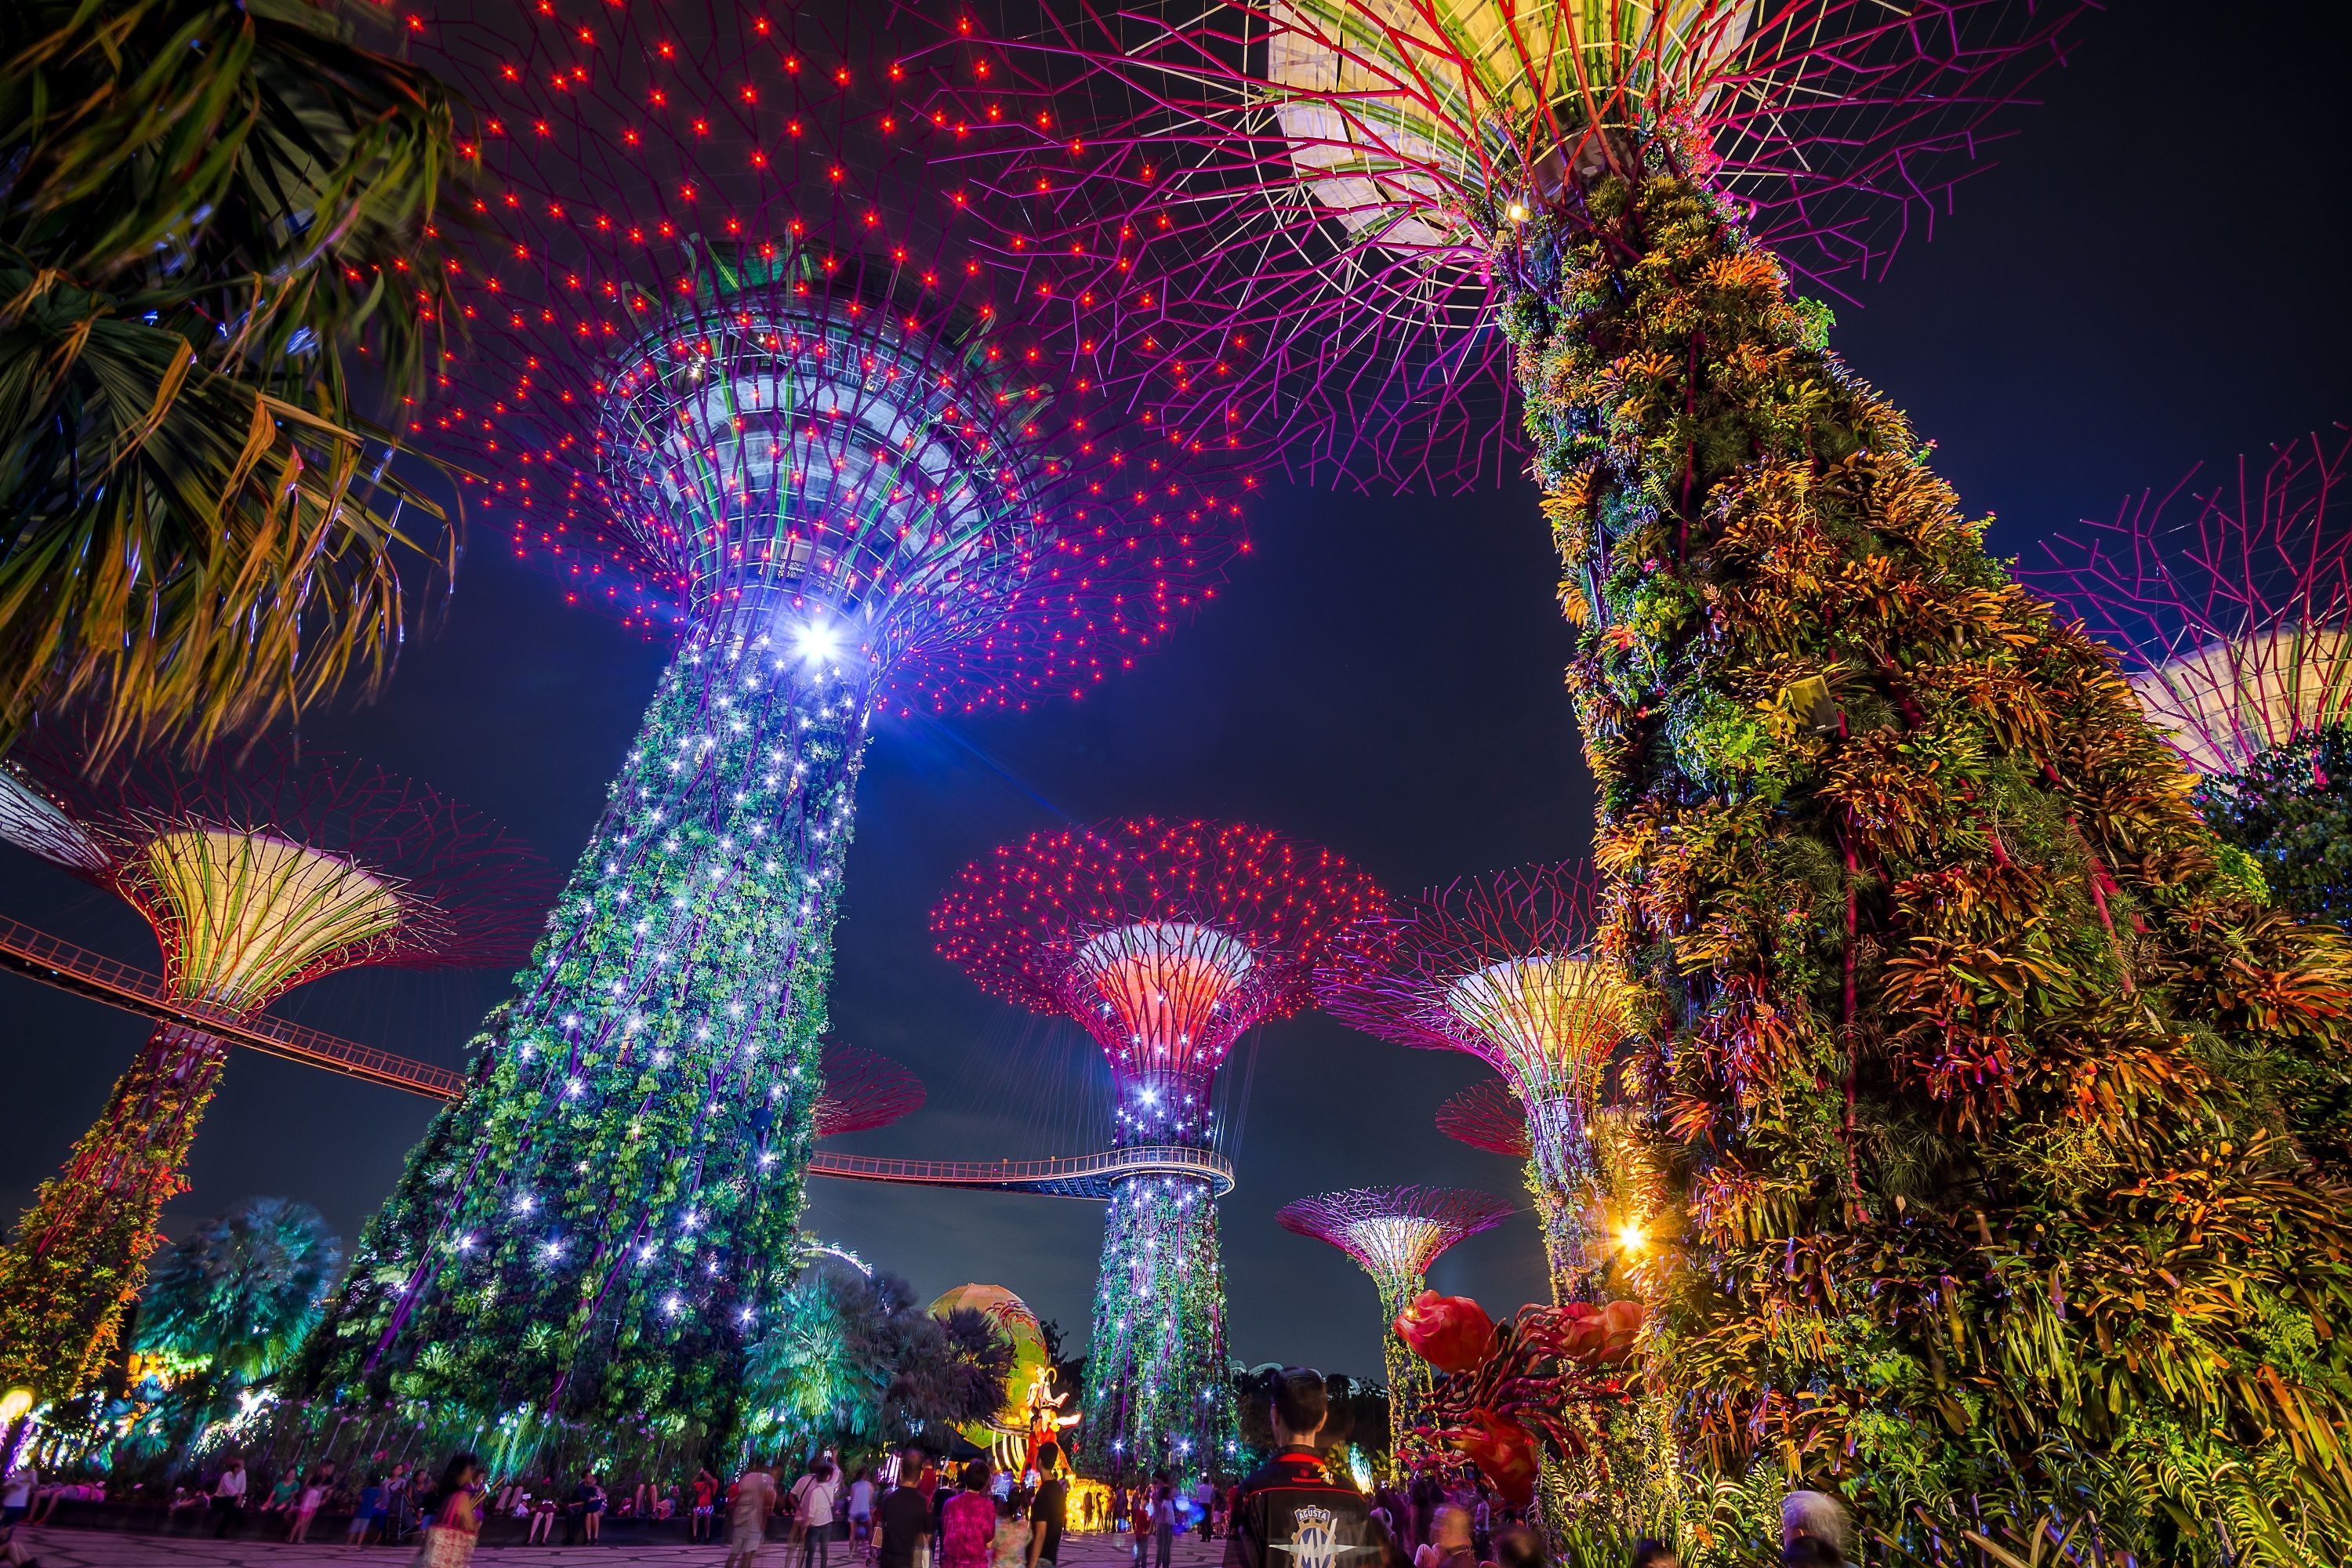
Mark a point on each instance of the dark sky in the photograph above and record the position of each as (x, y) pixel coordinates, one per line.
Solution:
(2150, 276)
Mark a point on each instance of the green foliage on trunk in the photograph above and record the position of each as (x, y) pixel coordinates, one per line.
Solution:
(228, 1303)
(1977, 1081)
(77, 1257)
(2290, 811)
(596, 1228)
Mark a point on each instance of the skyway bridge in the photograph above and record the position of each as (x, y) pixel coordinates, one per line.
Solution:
(37, 955)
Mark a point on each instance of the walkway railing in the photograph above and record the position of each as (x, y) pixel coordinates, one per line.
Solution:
(53, 962)
(40, 956)
(1079, 1176)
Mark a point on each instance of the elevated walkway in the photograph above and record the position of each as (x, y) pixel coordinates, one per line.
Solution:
(39, 956)
(1080, 1177)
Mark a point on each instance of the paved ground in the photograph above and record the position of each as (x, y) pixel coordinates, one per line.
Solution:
(107, 1549)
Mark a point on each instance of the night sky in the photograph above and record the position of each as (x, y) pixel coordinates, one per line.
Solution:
(2150, 278)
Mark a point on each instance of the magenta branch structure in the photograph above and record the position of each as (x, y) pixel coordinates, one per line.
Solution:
(1487, 1116)
(1311, 216)
(737, 377)
(1167, 941)
(2228, 598)
(2227, 602)
(1394, 1233)
(863, 1090)
(256, 873)
(1503, 967)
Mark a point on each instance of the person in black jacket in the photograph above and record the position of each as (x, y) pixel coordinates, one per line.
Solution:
(1290, 1513)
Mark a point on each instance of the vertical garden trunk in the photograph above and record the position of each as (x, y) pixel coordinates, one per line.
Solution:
(594, 1229)
(1408, 1375)
(1562, 1178)
(1157, 1394)
(80, 1254)
(1972, 1049)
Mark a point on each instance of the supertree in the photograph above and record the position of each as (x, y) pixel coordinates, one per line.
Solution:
(1167, 941)
(1313, 215)
(2232, 609)
(863, 1090)
(733, 377)
(1394, 1233)
(1487, 1116)
(1941, 980)
(257, 873)
(1503, 967)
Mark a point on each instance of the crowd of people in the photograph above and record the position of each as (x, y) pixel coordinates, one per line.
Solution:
(1295, 1512)
(910, 1511)
(906, 1514)
(915, 1513)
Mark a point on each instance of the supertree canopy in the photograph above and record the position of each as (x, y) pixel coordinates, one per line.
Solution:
(1940, 982)
(734, 378)
(1394, 1233)
(1487, 1116)
(863, 1090)
(1503, 967)
(256, 875)
(2235, 625)
(1167, 941)
(1313, 214)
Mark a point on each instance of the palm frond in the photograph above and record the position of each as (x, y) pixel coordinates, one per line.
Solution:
(240, 1290)
(210, 207)
(201, 555)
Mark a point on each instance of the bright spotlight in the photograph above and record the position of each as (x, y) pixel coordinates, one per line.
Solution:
(818, 642)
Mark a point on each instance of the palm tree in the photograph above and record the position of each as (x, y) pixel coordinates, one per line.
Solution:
(819, 1369)
(211, 213)
(955, 1371)
(855, 1360)
(230, 1301)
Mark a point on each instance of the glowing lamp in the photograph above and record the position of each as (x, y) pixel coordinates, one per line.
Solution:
(817, 642)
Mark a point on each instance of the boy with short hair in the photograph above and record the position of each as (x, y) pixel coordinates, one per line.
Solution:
(1290, 1511)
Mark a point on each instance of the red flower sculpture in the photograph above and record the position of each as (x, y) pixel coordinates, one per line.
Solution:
(1506, 1452)
(1509, 1390)
(1602, 1335)
(1452, 1334)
